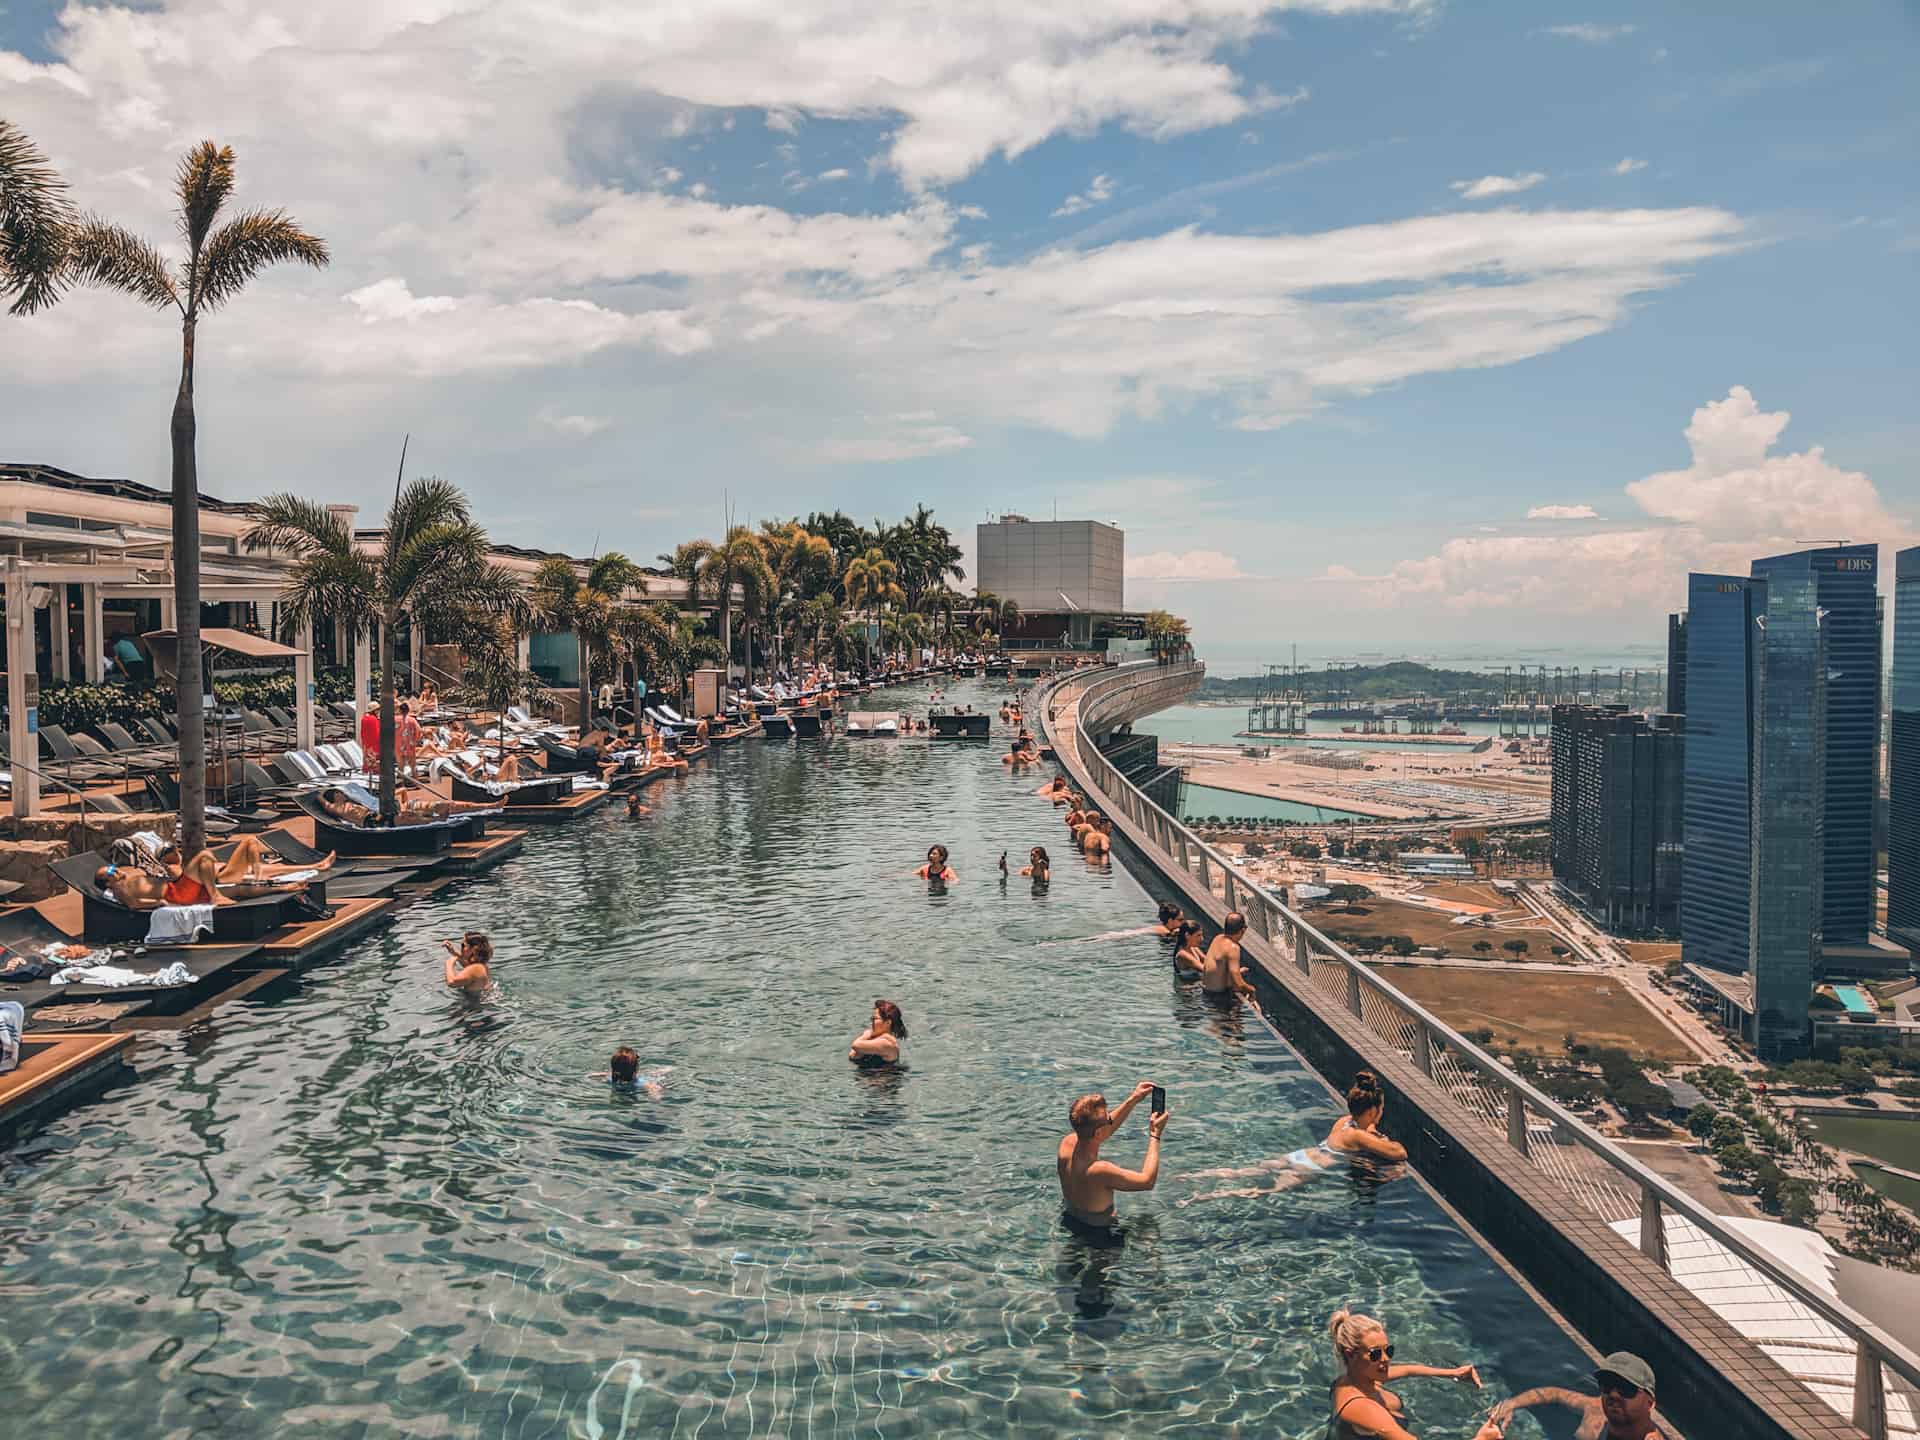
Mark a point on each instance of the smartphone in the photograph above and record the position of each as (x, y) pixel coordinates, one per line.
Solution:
(1159, 1100)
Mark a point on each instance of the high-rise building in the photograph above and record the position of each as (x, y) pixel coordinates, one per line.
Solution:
(1844, 589)
(1791, 700)
(1617, 817)
(1716, 891)
(1677, 663)
(1903, 756)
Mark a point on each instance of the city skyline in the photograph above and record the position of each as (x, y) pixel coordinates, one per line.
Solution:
(1220, 281)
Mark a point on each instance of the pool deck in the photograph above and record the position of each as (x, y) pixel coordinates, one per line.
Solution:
(56, 1073)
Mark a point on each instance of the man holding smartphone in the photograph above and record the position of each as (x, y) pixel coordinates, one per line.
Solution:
(1088, 1183)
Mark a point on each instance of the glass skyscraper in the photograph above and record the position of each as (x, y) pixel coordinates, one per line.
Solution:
(1717, 865)
(1903, 756)
(1845, 580)
(1790, 742)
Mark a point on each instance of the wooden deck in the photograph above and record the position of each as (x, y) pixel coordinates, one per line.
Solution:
(244, 985)
(56, 1072)
(469, 857)
(298, 946)
(576, 806)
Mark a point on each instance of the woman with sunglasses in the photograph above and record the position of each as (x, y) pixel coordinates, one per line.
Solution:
(1363, 1407)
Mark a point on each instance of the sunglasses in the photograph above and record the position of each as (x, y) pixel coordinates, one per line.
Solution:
(1380, 1352)
(1622, 1389)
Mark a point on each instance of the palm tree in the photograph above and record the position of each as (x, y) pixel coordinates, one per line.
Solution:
(431, 570)
(563, 599)
(218, 265)
(35, 220)
(716, 571)
(872, 581)
(803, 566)
(644, 637)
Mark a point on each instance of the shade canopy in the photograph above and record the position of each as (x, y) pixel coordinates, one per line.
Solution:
(165, 647)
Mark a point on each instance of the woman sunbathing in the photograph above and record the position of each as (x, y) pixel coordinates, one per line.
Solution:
(339, 806)
(203, 880)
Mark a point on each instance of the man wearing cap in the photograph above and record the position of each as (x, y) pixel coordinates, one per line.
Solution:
(1622, 1411)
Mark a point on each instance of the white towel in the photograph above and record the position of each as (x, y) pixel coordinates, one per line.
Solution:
(173, 924)
(148, 841)
(13, 1020)
(113, 977)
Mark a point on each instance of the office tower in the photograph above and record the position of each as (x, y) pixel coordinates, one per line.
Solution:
(1844, 579)
(1903, 756)
(1716, 891)
(1791, 740)
(1677, 663)
(1617, 818)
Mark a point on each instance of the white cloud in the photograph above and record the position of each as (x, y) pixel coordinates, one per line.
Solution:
(1563, 512)
(1590, 34)
(1488, 186)
(1099, 190)
(907, 436)
(1736, 500)
(1629, 165)
(578, 426)
(834, 174)
(1190, 565)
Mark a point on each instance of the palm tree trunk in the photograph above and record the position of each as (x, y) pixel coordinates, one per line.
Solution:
(388, 746)
(189, 679)
(586, 684)
(726, 630)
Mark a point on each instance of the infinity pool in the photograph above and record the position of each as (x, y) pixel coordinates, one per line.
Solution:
(357, 1206)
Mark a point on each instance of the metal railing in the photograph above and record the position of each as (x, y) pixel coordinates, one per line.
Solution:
(1555, 1144)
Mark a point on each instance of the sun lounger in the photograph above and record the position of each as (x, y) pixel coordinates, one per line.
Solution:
(550, 790)
(105, 918)
(563, 759)
(430, 838)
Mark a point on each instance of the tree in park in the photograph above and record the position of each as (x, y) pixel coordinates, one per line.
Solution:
(1700, 1121)
(1516, 947)
(1483, 947)
(218, 264)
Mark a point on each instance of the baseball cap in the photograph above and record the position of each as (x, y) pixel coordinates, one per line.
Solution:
(1628, 1367)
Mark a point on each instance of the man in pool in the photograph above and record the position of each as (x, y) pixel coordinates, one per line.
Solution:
(1099, 841)
(1088, 1183)
(1222, 974)
(1623, 1410)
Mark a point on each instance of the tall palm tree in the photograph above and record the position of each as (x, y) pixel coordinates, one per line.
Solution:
(563, 599)
(218, 265)
(35, 220)
(715, 571)
(431, 570)
(644, 637)
(872, 580)
(803, 566)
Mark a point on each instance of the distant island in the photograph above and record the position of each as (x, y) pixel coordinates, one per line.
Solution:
(1398, 680)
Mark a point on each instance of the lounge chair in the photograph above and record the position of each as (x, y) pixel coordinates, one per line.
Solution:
(550, 790)
(57, 745)
(432, 838)
(563, 759)
(105, 918)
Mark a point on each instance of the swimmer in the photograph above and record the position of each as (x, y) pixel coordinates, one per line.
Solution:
(1038, 866)
(879, 1044)
(1099, 840)
(634, 808)
(467, 962)
(1088, 1183)
(936, 867)
(1169, 919)
(1222, 974)
(1055, 789)
(623, 1073)
(1363, 1408)
(1076, 815)
(1354, 1135)
(1189, 962)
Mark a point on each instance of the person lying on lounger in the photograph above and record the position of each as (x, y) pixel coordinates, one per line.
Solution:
(203, 880)
(339, 806)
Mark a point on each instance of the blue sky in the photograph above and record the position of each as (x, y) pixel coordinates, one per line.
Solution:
(1216, 271)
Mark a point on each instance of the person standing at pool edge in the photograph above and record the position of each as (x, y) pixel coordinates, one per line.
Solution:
(1222, 974)
(1088, 1183)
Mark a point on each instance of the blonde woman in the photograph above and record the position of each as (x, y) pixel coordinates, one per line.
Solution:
(1363, 1408)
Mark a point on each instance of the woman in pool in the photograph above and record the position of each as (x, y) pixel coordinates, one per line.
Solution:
(1189, 961)
(936, 867)
(1362, 1406)
(1169, 925)
(879, 1043)
(1355, 1136)
(1038, 866)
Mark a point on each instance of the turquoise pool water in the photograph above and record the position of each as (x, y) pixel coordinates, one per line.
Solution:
(1857, 1001)
(355, 1205)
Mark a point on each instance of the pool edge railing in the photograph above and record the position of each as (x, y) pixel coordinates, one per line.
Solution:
(1475, 1087)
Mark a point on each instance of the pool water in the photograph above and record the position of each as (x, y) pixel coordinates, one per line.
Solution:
(1200, 801)
(356, 1205)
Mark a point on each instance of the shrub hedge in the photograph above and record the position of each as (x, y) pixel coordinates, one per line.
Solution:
(81, 707)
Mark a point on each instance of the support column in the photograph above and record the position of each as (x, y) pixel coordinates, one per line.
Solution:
(166, 609)
(523, 651)
(362, 676)
(303, 689)
(93, 632)
(22, 739)
(62, 637)
(416, 651)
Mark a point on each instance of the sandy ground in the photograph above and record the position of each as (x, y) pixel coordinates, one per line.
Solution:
(1279, 775)
(1537, 1011)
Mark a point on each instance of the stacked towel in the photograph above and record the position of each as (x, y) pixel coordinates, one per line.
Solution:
(179, 924)
(113, 977)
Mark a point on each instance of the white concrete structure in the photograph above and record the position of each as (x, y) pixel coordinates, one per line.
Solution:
(1046, 566)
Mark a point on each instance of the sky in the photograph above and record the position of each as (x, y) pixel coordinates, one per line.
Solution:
(1380, 326)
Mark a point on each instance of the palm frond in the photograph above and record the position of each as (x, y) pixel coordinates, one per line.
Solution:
(422, 504)
(203, 183)
(34, 220)
(114, 258)
(325, 584)
(551, 593)
(298, 525)
(433, 556)
(248, 244)
(613, 573)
